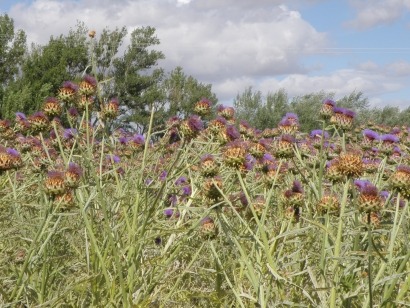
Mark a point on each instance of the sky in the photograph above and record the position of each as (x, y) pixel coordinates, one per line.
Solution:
(302, 46)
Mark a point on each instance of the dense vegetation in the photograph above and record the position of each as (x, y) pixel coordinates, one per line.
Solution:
(189, 205)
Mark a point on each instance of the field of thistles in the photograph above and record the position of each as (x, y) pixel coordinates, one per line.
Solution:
(209, 212)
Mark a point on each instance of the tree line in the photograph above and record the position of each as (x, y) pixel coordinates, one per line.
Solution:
(266, 111)
(28, 75)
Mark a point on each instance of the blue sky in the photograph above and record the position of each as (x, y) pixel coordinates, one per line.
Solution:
(303, 46)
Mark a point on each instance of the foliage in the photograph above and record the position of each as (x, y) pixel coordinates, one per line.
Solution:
(90, 217)
(266, 113)
(12, 50)
(181, 92)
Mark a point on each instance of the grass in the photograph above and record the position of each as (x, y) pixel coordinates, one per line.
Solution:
(153, 225)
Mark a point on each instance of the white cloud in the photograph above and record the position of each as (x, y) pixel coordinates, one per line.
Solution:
(399, 68)
(212, 40)
(341, 82)
(375, 12)
(231, 44)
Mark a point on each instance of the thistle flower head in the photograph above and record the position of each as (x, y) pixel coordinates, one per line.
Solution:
(20, 116)
(69, 133)
(13, 152)
(370, 134)
(287, 138)
(208, 227)
(70, 86)
(344, 111)
(113, 158)
(203, 107)
(297, 187)
(232, 132)
(75, 169)
(123, 140)
(318, 133)
(384, 194)
(369, 190)
(139, 139)
(244, 124)
(328, 101)
(91, 80)
(226, 112)
(389, 138)
(292, 117)
(182, 180)
(369, 198)
(73, 112)
(360, 184)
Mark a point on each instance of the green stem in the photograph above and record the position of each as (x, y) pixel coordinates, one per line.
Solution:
(369, 234)
(338, 246)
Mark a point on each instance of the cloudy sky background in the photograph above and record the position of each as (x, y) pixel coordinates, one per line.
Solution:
(303, 46)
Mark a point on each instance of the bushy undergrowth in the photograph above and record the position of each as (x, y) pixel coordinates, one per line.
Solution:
(207, 213)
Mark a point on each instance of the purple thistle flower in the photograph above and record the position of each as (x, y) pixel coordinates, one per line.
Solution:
(123, 140)
(20, 116)
(266, 143)
(73, 112)
(344, 111)
(75, 168)
(70, 85)
(317, 133)
(244, 124)
(169, 212)
(207, 220)
(13, 152)
(297, 187)
(287, 138)
(396, 150)
(186, 190)
(163, 175)
(54, 174)
(139, 139)
(232, 132)
(172, 199)
(389, 138)
(195, 123)
(90, 79)
(39, 114)
(291, 116)
(328, 101)
(69, 133)
(181, 181)
(369, 190)
(267, 157)
(285, 122)
(113, 158)
(370, 134)
(360, 184)
(221, 120)
(384, 194)
(243, 199)
(395, 131)
(207, 157)
(219, 108)
(403, 168)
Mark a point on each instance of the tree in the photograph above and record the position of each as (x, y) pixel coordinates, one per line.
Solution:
(247, 105)
(12, 50)
(43, 71)
(277, 105)
(181, 92)
(136, 77)
(307, 108)
(261, 114)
